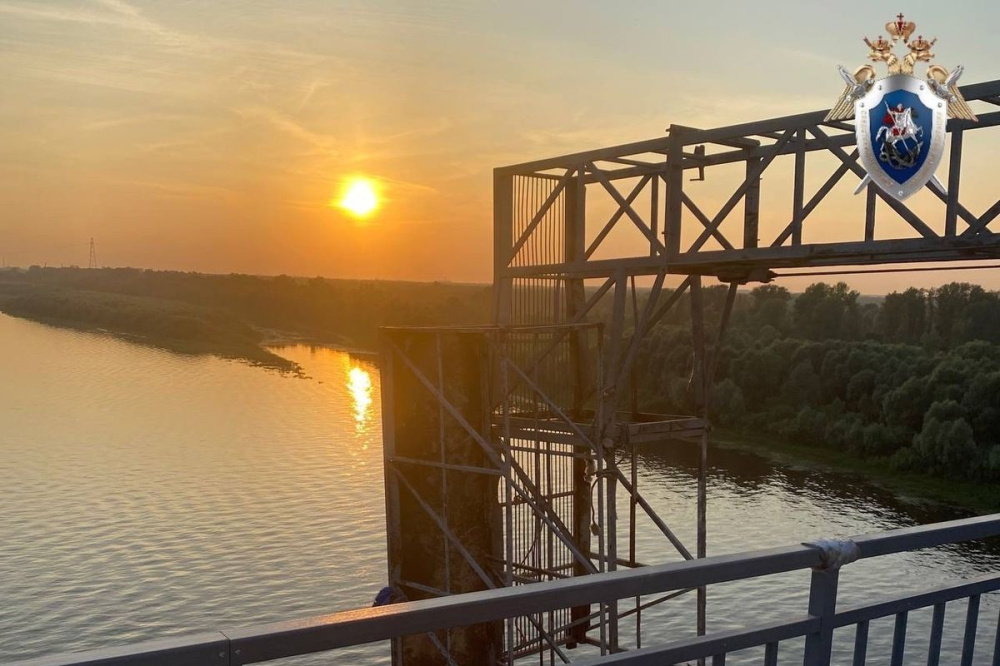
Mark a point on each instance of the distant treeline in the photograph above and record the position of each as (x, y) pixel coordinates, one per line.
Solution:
(344, 312)
(171, 324)
(913, 380)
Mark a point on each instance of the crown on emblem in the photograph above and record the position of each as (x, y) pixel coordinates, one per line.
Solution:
(880, 45)
(921, 45)
(900, 30)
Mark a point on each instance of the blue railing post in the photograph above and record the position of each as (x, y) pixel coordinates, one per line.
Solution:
(822, 605)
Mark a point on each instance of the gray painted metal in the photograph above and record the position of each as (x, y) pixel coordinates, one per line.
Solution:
(711, 645)
(273, 641)
(195, 650)
(910, 602)
(971, 622)
(710, 241)
(686, 136)
(937, 633)
(822, 606)
(742, 257)
(898, 640)
(996, 646)
(861, 644)
(771, 654)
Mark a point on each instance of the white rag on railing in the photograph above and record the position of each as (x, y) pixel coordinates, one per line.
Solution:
(835, 553)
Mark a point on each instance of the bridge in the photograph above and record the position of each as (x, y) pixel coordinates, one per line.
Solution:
(503, 438)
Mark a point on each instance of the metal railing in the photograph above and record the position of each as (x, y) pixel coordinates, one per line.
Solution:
(816, 625)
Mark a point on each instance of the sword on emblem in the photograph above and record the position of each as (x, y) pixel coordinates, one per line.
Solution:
(900, 120)
(933, 182)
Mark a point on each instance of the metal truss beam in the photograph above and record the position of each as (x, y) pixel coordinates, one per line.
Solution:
(739, 136)
(757, 145)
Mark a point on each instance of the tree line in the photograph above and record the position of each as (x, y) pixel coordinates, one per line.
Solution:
(344, 312)
(913, 379)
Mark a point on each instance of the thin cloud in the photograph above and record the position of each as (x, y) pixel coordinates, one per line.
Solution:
(408, 186)
(121, 15)
(136, 119)
(281, 122)
(311, 90)
(182, 190)
(119, 7)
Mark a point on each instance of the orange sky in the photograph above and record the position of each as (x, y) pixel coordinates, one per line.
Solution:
(212, 136)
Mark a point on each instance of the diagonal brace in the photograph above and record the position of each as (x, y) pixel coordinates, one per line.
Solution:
(752, 177)
(636, 219)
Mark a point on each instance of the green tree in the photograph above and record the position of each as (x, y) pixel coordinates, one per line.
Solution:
(903, 316)
(946, 445)
(769, 306)
(727, 402)
(823, 312)
(950, 302)
(802, 388)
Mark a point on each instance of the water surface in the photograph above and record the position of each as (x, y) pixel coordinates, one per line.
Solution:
(146, 494)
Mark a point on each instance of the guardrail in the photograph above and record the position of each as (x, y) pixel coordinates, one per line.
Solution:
(825, 558)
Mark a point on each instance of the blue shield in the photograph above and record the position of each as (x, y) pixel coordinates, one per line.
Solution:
(900, 127)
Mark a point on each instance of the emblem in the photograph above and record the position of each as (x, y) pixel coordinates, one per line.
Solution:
(900, 119)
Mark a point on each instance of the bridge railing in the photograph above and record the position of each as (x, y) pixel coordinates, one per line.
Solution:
(816, 625)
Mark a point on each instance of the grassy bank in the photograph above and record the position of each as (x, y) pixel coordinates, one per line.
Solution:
(235, 315)
(978, 497)
(167, 324)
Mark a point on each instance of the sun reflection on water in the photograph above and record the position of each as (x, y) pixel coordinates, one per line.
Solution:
(359, 383)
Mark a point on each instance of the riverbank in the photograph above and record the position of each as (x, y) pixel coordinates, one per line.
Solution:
(236, 316)
(164, 324)
(974, 497)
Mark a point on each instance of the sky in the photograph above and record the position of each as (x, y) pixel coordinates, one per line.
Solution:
(212, 136)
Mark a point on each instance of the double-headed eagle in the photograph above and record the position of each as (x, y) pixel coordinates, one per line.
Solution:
(942, 82)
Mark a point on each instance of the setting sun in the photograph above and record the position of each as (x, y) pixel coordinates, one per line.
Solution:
(360, 198)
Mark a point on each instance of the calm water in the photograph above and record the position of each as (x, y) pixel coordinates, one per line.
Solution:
(145, 494)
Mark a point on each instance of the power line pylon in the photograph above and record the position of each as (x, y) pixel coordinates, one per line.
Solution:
(92, 263)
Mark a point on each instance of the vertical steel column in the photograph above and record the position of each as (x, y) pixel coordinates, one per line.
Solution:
(576, 299)
(954, 174)
(508, 476)
(444, 474)
(751, 204)
(798, 190)
(394, 548)
(654, 211)
(607, 484)
(699, 384)
(675, 186)
(633, 503)
(503, 241)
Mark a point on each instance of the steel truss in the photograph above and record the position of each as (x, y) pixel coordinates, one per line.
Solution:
(731, 251)
(561, 420)
(555, 482)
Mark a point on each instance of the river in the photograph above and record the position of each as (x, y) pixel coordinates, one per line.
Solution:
(145, 494)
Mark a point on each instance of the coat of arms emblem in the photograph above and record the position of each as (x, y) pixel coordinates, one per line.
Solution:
(900, 119)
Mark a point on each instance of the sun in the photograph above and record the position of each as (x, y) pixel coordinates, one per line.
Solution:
(359, 197)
